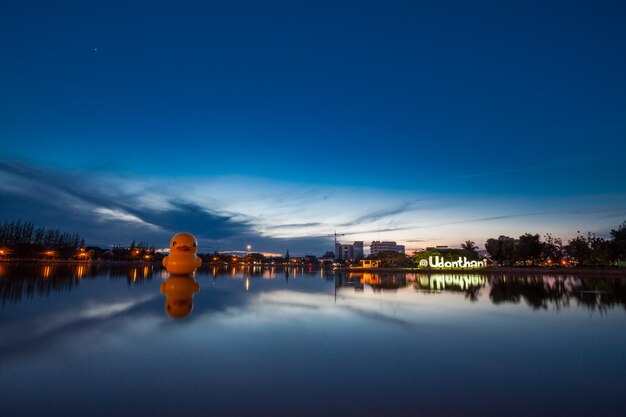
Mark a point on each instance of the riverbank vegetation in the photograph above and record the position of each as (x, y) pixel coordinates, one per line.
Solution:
(23, 240)
(582, 250)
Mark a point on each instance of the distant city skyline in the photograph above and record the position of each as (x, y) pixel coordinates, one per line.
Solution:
(276, 125)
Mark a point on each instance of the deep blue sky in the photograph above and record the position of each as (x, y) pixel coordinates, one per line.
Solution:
(394, 111)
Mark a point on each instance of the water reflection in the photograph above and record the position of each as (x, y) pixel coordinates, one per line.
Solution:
(179, 291)
(598, 293)
(377, 281)
(438, 344)
(540, 292)
(18, 280)
(470, 284)
(536, 291)
(30, 279)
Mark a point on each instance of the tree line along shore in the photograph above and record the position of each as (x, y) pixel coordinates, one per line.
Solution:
(23, 241)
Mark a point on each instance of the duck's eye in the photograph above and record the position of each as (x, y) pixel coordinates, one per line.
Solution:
(173, 243)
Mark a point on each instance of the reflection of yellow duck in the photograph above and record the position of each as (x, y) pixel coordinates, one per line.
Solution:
(179, 291)
(182, 259)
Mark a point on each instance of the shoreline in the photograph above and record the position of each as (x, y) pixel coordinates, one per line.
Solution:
(77, 261)
(613, 271)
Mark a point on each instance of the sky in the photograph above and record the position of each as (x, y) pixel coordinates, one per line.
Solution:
(275, 124)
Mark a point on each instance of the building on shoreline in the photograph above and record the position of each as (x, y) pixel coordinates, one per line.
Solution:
(349, 251)
(377, 246)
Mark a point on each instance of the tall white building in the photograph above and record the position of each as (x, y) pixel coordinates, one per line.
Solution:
(378, 246)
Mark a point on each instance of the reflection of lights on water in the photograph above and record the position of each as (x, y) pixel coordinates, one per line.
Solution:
(439, 282)
(46, 272)
(247, 284)
(80, 271)
(135, 274)
(146, 271)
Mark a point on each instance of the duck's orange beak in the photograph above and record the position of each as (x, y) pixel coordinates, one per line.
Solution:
(184, 248)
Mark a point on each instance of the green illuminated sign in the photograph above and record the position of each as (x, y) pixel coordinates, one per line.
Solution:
(461, 263)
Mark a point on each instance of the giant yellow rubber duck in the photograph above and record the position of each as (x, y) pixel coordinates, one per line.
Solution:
(182, 259)
(179, 291)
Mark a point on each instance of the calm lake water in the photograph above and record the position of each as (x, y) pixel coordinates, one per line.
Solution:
(104, 341)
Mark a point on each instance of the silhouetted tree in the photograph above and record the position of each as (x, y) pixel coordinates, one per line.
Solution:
(617, 247)
(529, 248)
(599, 250)
(26, 241)
(392, 259)
(579, 250)
(502, 250)
(472, 250)
(589, 251)
(552, 248)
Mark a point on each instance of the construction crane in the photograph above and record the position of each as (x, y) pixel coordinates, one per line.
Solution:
(337, 234)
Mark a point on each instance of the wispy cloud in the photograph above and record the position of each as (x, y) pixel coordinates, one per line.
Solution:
(574, 211)
(294, 225)
(117, 215)
(380, 214)
(58, 324)
(107, 215)
(380, 230)
(229, 213)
